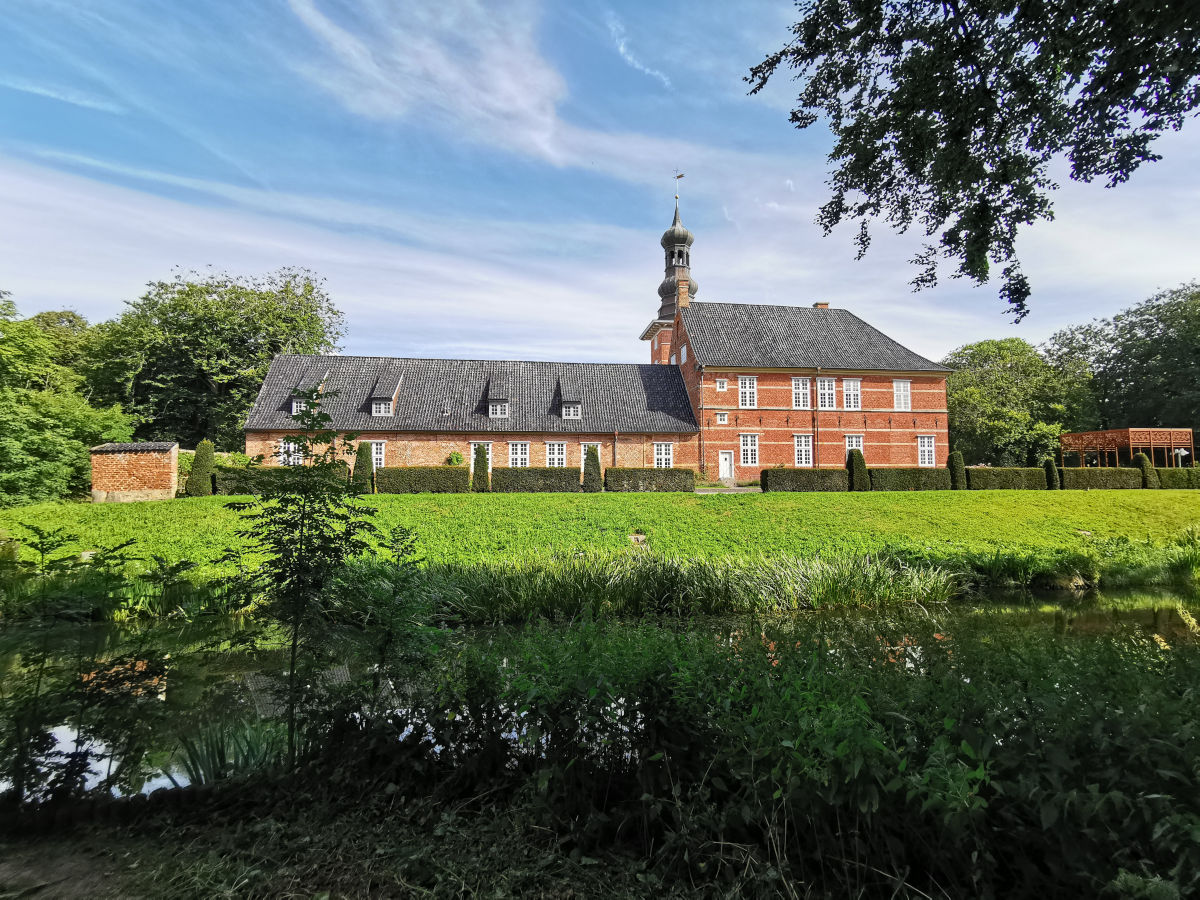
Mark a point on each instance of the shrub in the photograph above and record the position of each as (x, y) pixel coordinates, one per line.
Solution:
(1178, 478)
(593, 481)
(535, 480)
(257, 479)
(1150, 477)
(909, 479)
(454, 459)
(422, 480)
(958, 472)
(200, 480)
(782, 479)
(629, 479)
(186, 458)
(860, 479)
(988, 479)
(1101, 479)
(1053, 477)
(362, 481)
(479, 474)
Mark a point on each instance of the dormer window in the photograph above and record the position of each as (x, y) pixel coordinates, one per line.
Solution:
(381, 407)
(299, 406)
(572, 411)
(498, 409)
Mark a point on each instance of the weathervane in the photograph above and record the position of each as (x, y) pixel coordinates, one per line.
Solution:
(678, 175)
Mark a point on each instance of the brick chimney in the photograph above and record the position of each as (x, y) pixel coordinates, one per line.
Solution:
(821, 304)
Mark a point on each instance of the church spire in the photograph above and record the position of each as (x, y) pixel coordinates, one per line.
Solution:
(678, 286)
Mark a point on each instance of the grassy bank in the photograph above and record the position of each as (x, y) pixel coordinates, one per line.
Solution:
(492, 528)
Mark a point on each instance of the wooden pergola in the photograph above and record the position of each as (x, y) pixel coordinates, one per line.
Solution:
(1119, 445)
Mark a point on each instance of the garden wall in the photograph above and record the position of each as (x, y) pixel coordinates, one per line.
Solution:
(123, 473)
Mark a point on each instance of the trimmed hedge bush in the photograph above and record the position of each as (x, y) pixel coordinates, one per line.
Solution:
(860, 479)
(479, 472)
(958, 472)
(422, 480)
(1105, 479)
(908, 479)
(1177, 479)
(256, 479)
(987, 479)
(1150, 478)
(362, 480)
(593, 481)
(1053, 476)
(535, 480)
(200, 479)
(805, 480)
(618, 479)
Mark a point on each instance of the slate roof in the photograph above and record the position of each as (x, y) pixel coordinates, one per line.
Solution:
(144, 447)
(793, 337)
(450, 395)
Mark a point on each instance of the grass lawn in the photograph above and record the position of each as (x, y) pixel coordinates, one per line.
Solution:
(469, 527)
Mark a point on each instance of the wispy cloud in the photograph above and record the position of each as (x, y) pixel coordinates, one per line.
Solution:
(63, 95)
(616, 28)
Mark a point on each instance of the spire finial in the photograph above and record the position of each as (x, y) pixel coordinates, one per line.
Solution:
(678, 175)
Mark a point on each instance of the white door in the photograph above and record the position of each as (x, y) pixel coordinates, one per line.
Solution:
(726, 464)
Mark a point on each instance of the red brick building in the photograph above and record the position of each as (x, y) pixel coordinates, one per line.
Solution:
(122, 473)
(731, 389)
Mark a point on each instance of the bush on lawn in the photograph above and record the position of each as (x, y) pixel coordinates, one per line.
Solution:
(628, 479)
(422, 480)
(989, 479)
(362, 481)
(479, 473)
(593, 481)
(256, 479)
(1107, 479)
(782, 479)
(1177, 479)
(958, 471)
(1053, 477)
(533, 479)
(908, 479)
(1150, 479)
(856, 465)
(200, 479)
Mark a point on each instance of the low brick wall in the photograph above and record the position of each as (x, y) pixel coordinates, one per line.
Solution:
(122, 473)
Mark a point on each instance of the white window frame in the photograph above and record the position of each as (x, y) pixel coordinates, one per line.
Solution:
(298, 405)
(749, 445)
(801, 392)
(722, 418)
(927, 443)
(683, 353)
(583, 447)
(474, 444)
(722, 384)
(289, 453)
(856, 442)
(826, 393)
(804, 450)
(664, 455)
(518, 454)
(572, 410)
(556, 454)
(498, 409)
(748, 392)
(852, 393)
(381, 407)
(902, 394)
(378, 454)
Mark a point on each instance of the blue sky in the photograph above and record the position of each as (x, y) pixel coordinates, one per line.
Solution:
(485, 179)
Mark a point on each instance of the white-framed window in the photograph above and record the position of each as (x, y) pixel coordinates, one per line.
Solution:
(487, 445)
(804, 455)
(748, 391)
(381, 407)
(902, 394)
(826, 393)
(722, 384)
(672, 359)
(801, 393)
(289, 453)
(572, 411)
(378, 453)
(683, 353)
(498, 409)
(852, 393)
(926, 455)
(854, 442)
(299, 406)
(664, 456)
(723, 418)
(518, 454)
(556, 454)
(583, 449)
(749, 449)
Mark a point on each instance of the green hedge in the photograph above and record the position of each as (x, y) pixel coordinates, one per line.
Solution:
(805, 480)
(1179, 478)
(1053, 476)
(616, 479)
(1101, 479)
(958, 471)
(563, 479)
(908, 479)
(422, 480)
(257, 479)
(988, 479)
(856, 465)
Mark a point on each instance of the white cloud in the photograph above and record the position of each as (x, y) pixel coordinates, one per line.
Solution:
(62, 94)
(616, 29)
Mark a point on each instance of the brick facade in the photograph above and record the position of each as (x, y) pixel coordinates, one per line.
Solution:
(122, 473)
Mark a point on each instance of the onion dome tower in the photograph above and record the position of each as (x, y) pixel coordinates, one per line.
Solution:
(678, 287)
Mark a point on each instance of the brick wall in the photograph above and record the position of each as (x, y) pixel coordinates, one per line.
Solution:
(131, 474)
(660, 347)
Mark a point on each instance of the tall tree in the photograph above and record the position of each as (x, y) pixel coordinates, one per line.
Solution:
(948, 114)
(190, 355)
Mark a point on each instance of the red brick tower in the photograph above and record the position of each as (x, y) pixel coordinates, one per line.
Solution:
(677, 288)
